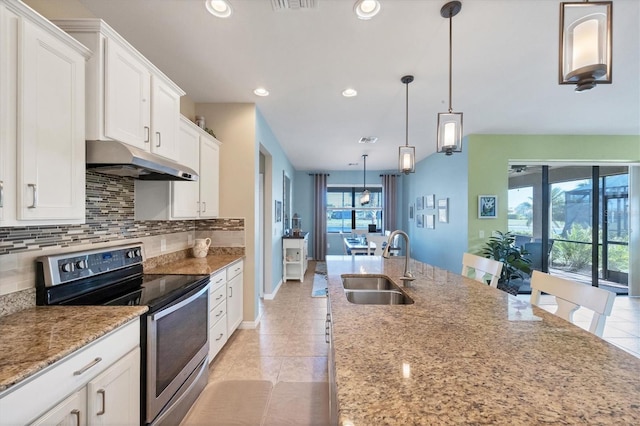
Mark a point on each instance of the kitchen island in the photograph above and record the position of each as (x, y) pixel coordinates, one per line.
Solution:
(466, 353)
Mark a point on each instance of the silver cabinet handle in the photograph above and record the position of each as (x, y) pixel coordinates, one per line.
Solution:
(86, 367)
(219, 280)
(220, 297)
(146, 137)
(158, 139)
(35, 195)
(219, 313)
(1, 193)
(104, 403)
(230, 291)
(77, 414)
(219, 337)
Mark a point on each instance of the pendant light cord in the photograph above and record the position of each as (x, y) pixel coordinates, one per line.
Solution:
(450, 55)
(406, 143)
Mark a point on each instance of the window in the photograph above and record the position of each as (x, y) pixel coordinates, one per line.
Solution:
(345, 213)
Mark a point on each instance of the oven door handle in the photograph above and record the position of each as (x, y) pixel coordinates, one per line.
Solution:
(166, 311)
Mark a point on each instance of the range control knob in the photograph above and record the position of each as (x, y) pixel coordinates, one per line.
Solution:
(130, 254)
(67, 267)
(81, 264)
(138, 252)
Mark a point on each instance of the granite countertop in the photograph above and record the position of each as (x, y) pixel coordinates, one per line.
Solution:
(35, 338)
(466, 353)
(195, 265)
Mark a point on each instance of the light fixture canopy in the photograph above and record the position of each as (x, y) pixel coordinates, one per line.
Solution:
(365, 197)
(406, 153)
(219, 8)
(585, 44)
(261, 91)
(450, 123)
(366, 9)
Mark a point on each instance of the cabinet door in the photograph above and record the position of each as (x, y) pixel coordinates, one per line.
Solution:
(185, 195)
(114, 395)
(209, 178)
(234, 303)
(70, 412)
(127, 97)
(50, 149)
(165, 119)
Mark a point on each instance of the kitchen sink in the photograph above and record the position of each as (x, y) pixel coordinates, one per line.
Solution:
(368, 283)
(378, 297)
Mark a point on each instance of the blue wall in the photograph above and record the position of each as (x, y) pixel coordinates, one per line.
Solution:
(279, 164)
(445, 177)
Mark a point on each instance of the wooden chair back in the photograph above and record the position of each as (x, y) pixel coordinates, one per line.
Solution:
(571, 295)
(479, 268)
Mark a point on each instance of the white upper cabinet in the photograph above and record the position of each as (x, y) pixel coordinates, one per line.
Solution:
(42, 100)
(128, 98)
(163, 200)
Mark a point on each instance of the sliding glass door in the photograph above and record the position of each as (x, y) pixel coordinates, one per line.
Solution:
(573, 221)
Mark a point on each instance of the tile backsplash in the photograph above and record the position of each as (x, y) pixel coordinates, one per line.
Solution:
(109, 221)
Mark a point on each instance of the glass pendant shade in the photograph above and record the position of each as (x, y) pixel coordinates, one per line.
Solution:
(585, 44)
(449, 132)
(407, 159)
(365, 197)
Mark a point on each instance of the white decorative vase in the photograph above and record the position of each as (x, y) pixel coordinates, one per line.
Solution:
(201, 247)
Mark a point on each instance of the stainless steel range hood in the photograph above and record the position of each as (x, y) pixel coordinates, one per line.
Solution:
(120, 159)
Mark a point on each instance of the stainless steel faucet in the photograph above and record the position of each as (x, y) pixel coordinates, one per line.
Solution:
(407, 277)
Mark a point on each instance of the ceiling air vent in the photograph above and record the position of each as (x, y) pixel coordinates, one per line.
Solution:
(293, 4)
(368, 139)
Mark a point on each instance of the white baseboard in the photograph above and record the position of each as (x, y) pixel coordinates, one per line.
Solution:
(271, 296)
(250, 325)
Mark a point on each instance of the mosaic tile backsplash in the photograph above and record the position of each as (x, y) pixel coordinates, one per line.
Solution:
(109, 221)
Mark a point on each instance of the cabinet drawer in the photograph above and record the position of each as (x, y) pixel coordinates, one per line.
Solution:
(218, 312)
(217, 337)
(217, 296)
(234, 269)
(67, 375)
(218, 279)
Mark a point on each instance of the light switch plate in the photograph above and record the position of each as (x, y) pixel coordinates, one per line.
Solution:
(481, 234)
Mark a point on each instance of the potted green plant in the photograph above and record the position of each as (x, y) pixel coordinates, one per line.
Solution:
(501, 246)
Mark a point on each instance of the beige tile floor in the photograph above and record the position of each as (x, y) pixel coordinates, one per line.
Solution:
(288, 345)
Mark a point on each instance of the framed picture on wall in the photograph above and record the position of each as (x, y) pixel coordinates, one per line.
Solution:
(429, 201)
(278, 211)
(420, 221)
(443, 210)
(487, 206)
(430, 221)
(410, 211)
(419, 203)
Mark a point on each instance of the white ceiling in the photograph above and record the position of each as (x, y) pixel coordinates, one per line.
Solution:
(505, 55)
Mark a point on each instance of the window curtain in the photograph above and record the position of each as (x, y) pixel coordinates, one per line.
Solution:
(319, 216)
(390, 205)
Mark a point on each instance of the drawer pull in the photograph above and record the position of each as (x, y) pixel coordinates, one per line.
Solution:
(77, 414)
(220, 297)
(101, 392)
(146, 131)
(219, 280)
(219, 313)
(86, 367)
(35, 195)
(158, 138)
(220, 336)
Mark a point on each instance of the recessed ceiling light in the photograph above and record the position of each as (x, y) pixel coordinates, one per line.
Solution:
(261, 91)
(366, 9)
(219, 8)
(349, 93)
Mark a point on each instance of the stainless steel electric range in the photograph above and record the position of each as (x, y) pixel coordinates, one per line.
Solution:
(174, 332)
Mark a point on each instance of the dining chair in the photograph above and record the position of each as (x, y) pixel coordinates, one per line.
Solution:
(479, 268)
(344, 242)
(376, 244)
(571, 295)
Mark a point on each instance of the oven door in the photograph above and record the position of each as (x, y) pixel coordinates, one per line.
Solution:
(177, 342)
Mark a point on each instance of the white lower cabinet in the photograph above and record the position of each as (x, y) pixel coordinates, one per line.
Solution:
(234, 296)
(225, 306)
(96, 385)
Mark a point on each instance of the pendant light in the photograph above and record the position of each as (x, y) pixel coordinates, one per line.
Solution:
(450, 123)
(585, 44)
(407, 154)
(365, 196)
